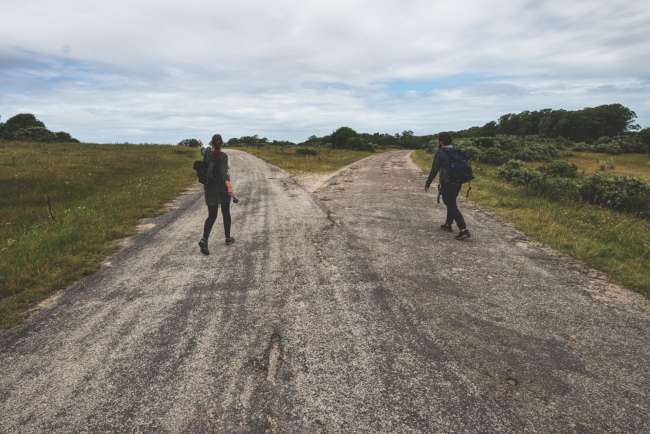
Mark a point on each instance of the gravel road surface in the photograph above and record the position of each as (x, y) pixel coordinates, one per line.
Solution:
(345, 310)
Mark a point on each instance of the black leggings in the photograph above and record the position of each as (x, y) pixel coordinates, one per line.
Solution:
(212, 217)
(449, 194)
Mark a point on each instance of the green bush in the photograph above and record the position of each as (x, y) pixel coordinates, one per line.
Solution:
(473, 152)
(517, 173)
(621, 193)
(615, 145)
(36, 134)
(484, 142)
(190, 143)
(560, 168)
(62, 136)
(509, 170)
(359, 144)
(555, 187)
(307, 151)
(536, 182)
(495, 156)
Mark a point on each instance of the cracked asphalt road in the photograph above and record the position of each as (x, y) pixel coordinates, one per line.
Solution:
(342, 311)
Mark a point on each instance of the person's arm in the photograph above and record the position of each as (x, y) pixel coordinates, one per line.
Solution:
(435, 167)
(226, 177)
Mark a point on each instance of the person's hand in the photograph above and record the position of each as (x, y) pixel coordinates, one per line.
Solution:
(231, 193)
(426, 187)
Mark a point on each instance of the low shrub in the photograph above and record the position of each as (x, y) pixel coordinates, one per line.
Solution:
(621, 193)
(614, 145)
(359, 144)
(555, 187)
(307, 151)
(473, 152)
(484, 142)
(36, 134)
(510, 169)
(560, 168)
(190, 143)
(495, 156)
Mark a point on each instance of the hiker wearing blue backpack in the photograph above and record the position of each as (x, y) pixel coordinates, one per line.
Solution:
(455, 169)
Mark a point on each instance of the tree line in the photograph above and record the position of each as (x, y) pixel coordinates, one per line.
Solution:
(585, 125)
(593, 125)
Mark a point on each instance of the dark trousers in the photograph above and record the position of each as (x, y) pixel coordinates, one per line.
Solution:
(449, 193)
(212, 217)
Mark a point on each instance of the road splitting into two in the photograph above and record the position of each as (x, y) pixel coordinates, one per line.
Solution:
(342, 311)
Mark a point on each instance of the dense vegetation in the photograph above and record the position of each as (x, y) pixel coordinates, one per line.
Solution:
(25, 126)
(587, 124)
(62, 205)
(190, 143)
(527, 136)
(559, 181)
(345, 138)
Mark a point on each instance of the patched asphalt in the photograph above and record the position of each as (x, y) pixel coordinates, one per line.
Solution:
(346, 310)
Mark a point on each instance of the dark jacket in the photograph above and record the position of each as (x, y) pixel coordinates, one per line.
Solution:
(215, 189)
(440, 164)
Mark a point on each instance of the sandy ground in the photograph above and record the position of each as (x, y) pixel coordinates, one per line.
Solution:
(345, 310)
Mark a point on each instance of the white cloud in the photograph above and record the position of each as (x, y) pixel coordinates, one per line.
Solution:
(163, 70)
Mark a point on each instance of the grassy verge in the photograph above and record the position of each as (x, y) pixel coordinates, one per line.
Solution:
(615, 243)
(327, 160)
(97, 194)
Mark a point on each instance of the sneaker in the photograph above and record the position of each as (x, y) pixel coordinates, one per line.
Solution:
(230, 240)
(463, 235)
(446, 228)
(203, 245)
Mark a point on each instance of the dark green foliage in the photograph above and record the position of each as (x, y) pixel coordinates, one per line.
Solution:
(614, 145)
(190, 143)
(644, 138)
(622, 193)
(248, 141)
(62, 136)
(560, 168)
(580, 125)
(498, 150)
(473, 152)
(516, 172)
(307, 151)
(495, 156)
(25, 127)
(34, 134)
(20, 122)
(485, 142)
(342, 137)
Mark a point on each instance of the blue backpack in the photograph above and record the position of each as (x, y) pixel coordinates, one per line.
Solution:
(460, 167)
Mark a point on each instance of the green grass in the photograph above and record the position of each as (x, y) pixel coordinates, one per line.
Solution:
(97, 193)
(614, 243)
(327, 160)
(624, 164)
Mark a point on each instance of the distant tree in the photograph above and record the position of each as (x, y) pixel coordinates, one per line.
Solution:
(489, 129)
(36, 134)
(407, 139)
(341, 137)
(190, 143)
(644, 138)
(62, 136)
(25, 126)
(22, 121)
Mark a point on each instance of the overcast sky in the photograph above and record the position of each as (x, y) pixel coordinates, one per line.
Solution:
(160, 70)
